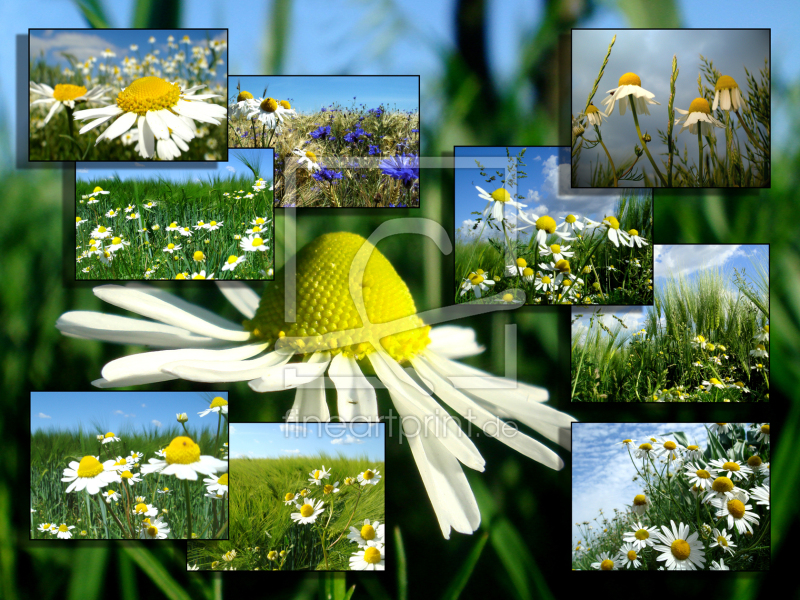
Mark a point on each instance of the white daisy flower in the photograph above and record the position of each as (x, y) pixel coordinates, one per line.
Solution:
(722, 539)
(213, 225)
(130, 477)
(183, 460)
(368, 532)
(290, 498)
(268, 111)
(218, 405)
(477, 282)
(171, 248)
(702, 478)
(308, 511)
(245, 104)
(615, 234)
(496, 202)
(233, 262)
(759, 351)
(761, 494)
(637, 240)
(109, 438)
(370, 558)
(254, 243)
(217, 485)
(640, 536)
(100, 232)
(173, 227)
(369, 477)
(628, 557)
(144, 509)
(117, 243)
(318, 475)
(164, 491)
(330, 488)
(640, 504)
(63, 531)
(594, 116)
(762, 335)
(737, 512)
(680, 550)
(732, 469)
(185, 231)
(572, 224)
(89, 474)
(78, 221)
(308, 160)
(699, 113)
(48, 527)
(605, 562)
(556, 251)
(727, 94)
(65, 94)
(545, 225)
(517, 269)
(718, 565)
(713, 382)
(155, 530)
(630, 87)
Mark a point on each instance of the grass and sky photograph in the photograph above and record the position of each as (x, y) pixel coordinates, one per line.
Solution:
(702, 111)
(129, 465)
(127, 94)
(308, 496)
(526, 234)
(139, 222)
(713, 478)
(706, 339)
(339, 141)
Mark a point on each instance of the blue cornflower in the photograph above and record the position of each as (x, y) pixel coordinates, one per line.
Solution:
(373, 150)
(325, 174)
(322, 133)
(403, 168)
(376, 111)
(415, 131)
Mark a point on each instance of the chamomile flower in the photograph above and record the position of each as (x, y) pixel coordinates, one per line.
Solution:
(48, 527)
(79, 221)
(135, 457)
(732, 469)
(762, 335)
(680, 550)
(761, 494)
(110, 438)
(370, 558)
(159, 109)
(644, 450)
(218, 405)
(556, 251)
(572, 224)
(174, 227)
(368, 532)
(713, 382)
(308, 160)
(737, 512)
(545, 225)
(517, 269)
(200, 225)
(65, 94)
(627, 443)
(702, 478)
(89, 474)
(630, 88)
(720, 428)
(308, 511)
(233, 262)
(605, 562)
(330, 488)
(496, 202)
(628, 557)
(155, 530)
(759, 351)
(171, 248)
(63, 532)
(130, 477)
(722, 488)
(544, 283)
(722, 539)
(615, 234)
(763, 433)
(640, 504)
(202, 275)
(100, 232)
(727, 95)
(245, 104)
(145, 510)
(290, 498)
(217, 485)
(254, 243)
(699, 113)
(214, 225)
(183, 460)
(164, 491)
(637, 240)
(477, 282)
(663, 446)
(640, 536)
(185, 231)
(269, 112)
(318, 475)
(117, 243)
(718, 565)
(594, 116)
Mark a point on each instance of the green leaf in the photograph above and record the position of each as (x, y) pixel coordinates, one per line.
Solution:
(85, 583)
(402, 569)
(517, 560)
(464, 573)
(717, 451)
(155, 571)
(641, 13)
(93, 13)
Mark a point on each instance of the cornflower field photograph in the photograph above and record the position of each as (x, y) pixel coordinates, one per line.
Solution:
(673, 497)
(716, 80)
(308, 497)
(706, 338)
(126, 95)
(522, 235)
(125, 465)
(347, 141)
(135, 222)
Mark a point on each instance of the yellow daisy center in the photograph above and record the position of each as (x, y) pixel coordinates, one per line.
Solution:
(116, 240)
(182, 450)
(368, 475)
(152, 531)
(715, 381)
(256, 229)
(703, 474)
(722, 541)
(218, 401)
(522, 263)
(730, 466)
(607, 565)
(626, 441)
(372, 555)
(259, 220)
(257, 241)
(368, 532)
(317, 474)
(324, 304)
(269, 105)
(244, 95)
(766, 328)
(89, 467)
(101, 229)
(571, 219)
(508, 297)
(670, 445)
(110, 434)
(765, 429)
(726, 82)
(148, 93)
(97, 189)
(546, 223)
(646, 447)
(64, 92)
(63, 528)
(546, 280)
(126, 474)
(563, 266)
(140, 508)
(555, 248)
(170, 246)
(198, 256)
(700, 105)
(285, 104)
(681, 549)
(309, 155)
(328, 489)
(612, 222)
(289, 496)
(527, 272)
(631, 555)
(591, 109)
(719, 423)
(501, 195)
(642, 534)
(692, 447)
(736, 508)
(232, 259)
(306, 510)
(722, 484)
(630, 79)
(633, 232)
(639, 500)
(223, 480)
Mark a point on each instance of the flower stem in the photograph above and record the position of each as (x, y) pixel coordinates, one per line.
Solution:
(700, 153)
(641, 139)
(613, 168)
(188, 508)
(749, 133)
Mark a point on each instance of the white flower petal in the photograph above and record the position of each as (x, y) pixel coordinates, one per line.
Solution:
(290, 375)
(118, 127)
(241, 295)
(356, 396)
(157, 125)
(309, 402)
(216, 371)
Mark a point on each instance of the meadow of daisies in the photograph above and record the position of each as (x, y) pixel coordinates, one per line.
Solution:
(699, 508)
(722, 103)
(576, 261)
(148, 103)
(301, 513)
(156, 229)
(158, 483)
(338, 157)
(700, 343)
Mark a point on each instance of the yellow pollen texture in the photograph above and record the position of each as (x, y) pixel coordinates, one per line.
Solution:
(730, 466)
(288, 496)
(218, 401)
(89, 467)
(368, 532)
(548, 224)
(285, 104)
(244, 95)
(223, 480)
(324, 305)
(722, 484)
(645, 447)
(310, 155)
(722, 541)
(522, 263)
(642, 534)
(306, 510)
(148, 93)
(765, 429)
(372, 555)
(700, 105)
(612, 222)
(703, 474)
(631, 555)
(140, 508)
(725, 82)
(736, 508)
(368, 474)
(269, 105)
(607, 565)
(630, 79)
(501, 195)
(639, 500)
(754, 461)
(182, 450)
(680, 549)
(63, 92)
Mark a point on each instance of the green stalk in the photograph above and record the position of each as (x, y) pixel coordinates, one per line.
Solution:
(188, 507)
(749, 133)
(671, 116)
(700, 152)
(613, 168)
(641, 139)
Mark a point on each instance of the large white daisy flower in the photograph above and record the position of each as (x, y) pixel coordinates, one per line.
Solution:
(680, 550)
(183, 460)
(699, 113)
(727, 94)
(496, 202)
(269, 111)
(371, 557)
(198, 345)
(90, 474)
(65, 94)
(545, 225)
(630, 87)
(245, 104)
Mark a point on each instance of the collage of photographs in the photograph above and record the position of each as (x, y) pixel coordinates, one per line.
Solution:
(406, 260)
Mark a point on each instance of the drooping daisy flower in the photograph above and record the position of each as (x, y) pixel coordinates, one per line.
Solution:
(640, 504)
(727, 94)
(218, 405)
(254, 243)
(171, 248)
(571, 223)
(78, 222)
(308, 511)
(203, 347)
(156, 107)
(117, 243)
(759, 351)
(713, 382)
(680, 550)
(718, 565)
(644, 450)
(640, 536)
(737, 511)
(183, 460)
(290, 498)
(64, 532)
(65, 94)
(369, 532)
(762, 335)
(517, 269)
(370, 558)
(594, 116)
(636, 239)
(369, 477)
(720, 428)
(89, 474)
(699, 113)
(245, 104)
(722, 539)
(545, 225)
(763, 433)
(615, 234)
(233, 262)
(110, 495)
(627, 443)
(630, 87)
(496, 202)
(605, 562)
(628, 557)
(130, 477)
(110, 437)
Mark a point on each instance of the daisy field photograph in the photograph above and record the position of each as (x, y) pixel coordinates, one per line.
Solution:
(309, 497)
(671, 108)
(674, 497)
(129, 465)
(127, 94)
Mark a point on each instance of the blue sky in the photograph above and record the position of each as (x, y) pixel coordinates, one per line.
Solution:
(181, 172)
(546, 189)
(273, 440)
(309, 94)
(83, 44)
(602, 471)
(115, 411)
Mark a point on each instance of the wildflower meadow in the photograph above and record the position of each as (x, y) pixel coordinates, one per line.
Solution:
(700, 507)
(724, 114)
(147, 95)
(356, 155)
(156, 482)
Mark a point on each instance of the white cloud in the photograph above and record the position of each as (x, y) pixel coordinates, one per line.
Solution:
(232, 429)
(81, 170)
(295, 451)
(231, 169)
(44, 416)
(292, 427)
(538, 158)
(119, 412)
(686, 259)
(144, 406)
(348, 439)
(156, 423)
(80, 45)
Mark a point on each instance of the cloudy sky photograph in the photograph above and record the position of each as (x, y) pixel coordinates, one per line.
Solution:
(648, 54)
